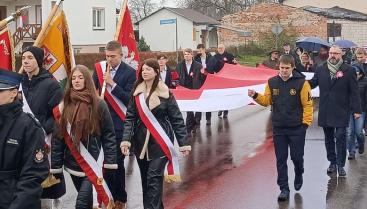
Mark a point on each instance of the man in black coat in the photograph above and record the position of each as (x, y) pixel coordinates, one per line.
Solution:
(222, 56)
(203, 57)
(190, 76)
(23, 159)
(338, 97)
(121, 81)
(42, 93)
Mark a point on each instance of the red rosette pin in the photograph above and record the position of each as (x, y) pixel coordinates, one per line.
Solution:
(339, 74)
(174, 75)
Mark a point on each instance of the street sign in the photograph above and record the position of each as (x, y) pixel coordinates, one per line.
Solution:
(244, 33)
(277, 29)
(167, 21)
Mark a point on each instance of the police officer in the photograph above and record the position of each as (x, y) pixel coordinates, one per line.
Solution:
(292, 109)
(23, 161)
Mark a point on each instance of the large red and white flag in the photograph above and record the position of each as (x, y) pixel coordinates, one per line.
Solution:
(227, 89)
(7, 59)
(125, 35)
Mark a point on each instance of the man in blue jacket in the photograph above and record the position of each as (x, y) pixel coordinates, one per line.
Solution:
(120, 81)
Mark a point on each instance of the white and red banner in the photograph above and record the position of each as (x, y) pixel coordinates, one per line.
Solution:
(116, 103)
(227, 89)
(161, 137)
(92, 169)
(125, 35)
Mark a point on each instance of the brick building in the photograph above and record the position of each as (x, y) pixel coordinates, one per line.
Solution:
(260, 19)
(343, 23)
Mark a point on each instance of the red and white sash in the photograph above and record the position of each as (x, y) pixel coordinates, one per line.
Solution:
(160, 136)
(116, 103)
(93, 169)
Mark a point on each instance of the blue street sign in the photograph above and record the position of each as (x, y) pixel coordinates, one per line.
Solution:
(167, 21)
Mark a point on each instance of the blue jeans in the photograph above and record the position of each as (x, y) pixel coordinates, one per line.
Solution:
(355, 131)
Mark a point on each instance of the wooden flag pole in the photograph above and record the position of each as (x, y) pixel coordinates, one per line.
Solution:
(13, 16)
(121, 15)
(121, 19)
(45, 26)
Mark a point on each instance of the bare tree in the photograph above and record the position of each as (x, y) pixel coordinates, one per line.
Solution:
(219, 8)
(141, 8)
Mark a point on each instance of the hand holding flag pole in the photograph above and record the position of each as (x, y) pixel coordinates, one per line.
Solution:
(122, 11)
(13, 16)
(103, 91)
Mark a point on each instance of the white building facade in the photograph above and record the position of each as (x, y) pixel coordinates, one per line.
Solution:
(159, 30)
(92, 23)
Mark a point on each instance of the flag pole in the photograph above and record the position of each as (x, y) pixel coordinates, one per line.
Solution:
(121, 18)
(45, 26)
(13, 16)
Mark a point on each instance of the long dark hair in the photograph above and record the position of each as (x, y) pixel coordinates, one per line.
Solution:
(90, 88)
(153, 63)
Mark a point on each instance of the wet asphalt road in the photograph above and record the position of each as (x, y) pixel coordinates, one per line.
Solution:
(232, 165)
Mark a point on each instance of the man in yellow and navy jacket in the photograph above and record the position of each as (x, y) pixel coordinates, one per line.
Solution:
(292, 111)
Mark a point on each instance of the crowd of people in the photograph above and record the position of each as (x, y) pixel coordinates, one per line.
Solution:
(307, 61)
(102, 117)
(341, 79)
(98, 118)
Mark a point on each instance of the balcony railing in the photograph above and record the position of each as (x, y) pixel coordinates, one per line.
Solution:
(29, 31)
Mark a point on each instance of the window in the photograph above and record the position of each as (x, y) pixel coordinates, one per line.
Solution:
(38, 14)
(77, 50)
(98, 19)
(334, 29)
(101, 49)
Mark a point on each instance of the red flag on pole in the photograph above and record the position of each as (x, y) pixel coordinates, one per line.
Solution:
(6, 50)
(125, 35)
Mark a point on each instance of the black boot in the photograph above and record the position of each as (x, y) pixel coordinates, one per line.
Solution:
(284, 195)
(298, 182)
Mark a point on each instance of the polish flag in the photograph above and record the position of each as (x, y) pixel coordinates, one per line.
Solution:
(227, 89)
(125, 35)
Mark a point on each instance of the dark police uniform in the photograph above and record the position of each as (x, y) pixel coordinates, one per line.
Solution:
(23, 161)
(292, 111)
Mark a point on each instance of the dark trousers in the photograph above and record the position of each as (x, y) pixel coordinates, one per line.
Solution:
(83, 186)
(225, 112)
(152, 173)
(208, 116)
(336, 145)
(117, 185)
(294, 139)
(192, 119)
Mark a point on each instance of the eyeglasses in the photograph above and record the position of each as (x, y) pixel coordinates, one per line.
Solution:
(334, 53)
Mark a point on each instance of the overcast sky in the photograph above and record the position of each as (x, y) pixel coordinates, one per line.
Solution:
(169, 3)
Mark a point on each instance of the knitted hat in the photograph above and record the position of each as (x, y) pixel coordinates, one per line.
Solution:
(37, 53)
